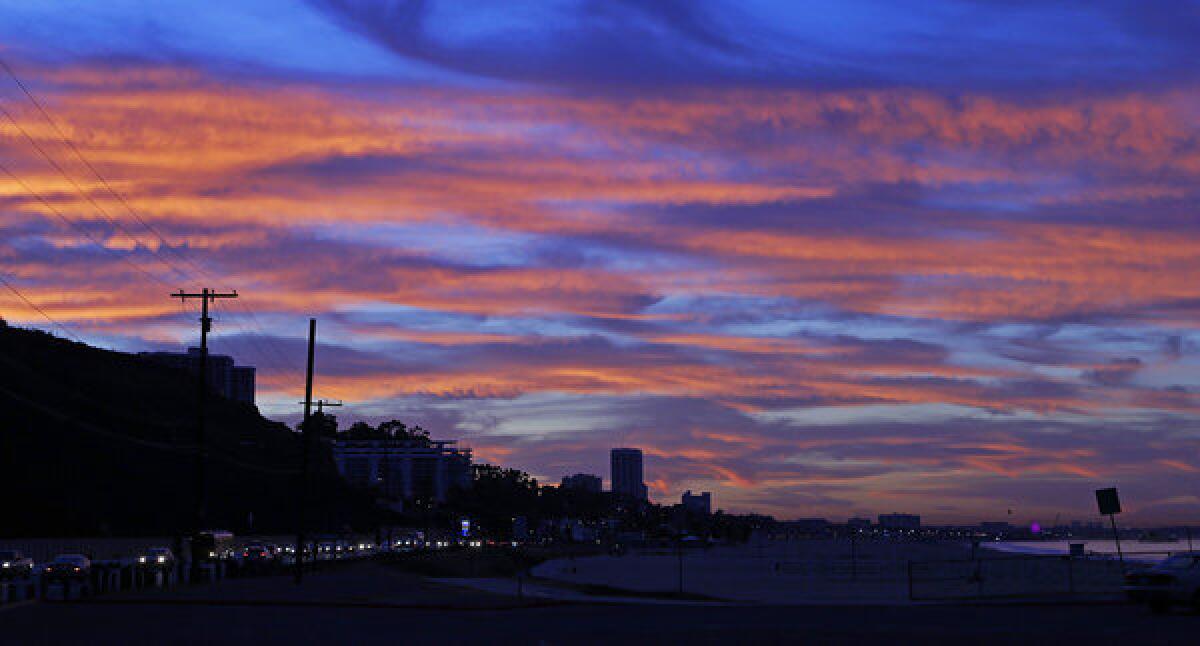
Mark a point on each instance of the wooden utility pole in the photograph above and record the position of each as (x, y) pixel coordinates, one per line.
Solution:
(306, 442)
(206, 296)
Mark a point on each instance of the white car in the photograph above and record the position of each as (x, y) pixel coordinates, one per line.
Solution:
(14, 565)
(1174, 581)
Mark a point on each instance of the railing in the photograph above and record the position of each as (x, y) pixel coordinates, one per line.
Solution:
(1023, 576)
(844, 569)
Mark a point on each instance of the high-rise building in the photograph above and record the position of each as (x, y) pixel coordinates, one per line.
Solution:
(404, 468)
(700, 503)
(224, 378)
(583, 482)
(627, 476)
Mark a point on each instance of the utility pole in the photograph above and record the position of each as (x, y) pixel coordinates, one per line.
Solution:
(306, 442)
(307, 438)
(206, 296)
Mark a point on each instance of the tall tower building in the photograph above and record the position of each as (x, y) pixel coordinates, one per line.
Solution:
(627, 473)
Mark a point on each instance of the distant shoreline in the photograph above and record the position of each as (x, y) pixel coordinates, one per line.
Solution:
(1132, 550)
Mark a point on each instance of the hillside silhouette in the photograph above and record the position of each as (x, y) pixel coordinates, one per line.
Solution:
(96, 442)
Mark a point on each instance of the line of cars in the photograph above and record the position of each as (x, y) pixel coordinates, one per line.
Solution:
(248, 555)
(76, 574)
(16, 566)
(260, 554)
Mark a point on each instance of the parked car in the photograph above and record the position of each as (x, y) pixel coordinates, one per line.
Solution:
(159, 558)
(1174, 581)
(68, 566)
(14, 565)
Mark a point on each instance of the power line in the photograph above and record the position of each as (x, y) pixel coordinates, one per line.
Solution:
(79, 189)
(259, 341)
(78, 227)
(106, 249)
(34, 306)
(78, 154)
(165, 245)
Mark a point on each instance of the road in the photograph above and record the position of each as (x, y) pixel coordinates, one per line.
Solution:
(371, 604)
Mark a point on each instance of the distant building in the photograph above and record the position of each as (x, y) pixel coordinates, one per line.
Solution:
(224, 378)
(583, 482)
(627, 476)
(241, 384)
(700, 503)
(801, 527)
(899, 521)
(404, 468)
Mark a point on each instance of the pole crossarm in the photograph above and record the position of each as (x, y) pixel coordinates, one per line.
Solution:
(206, 296)
(210, 294)
(322, 404)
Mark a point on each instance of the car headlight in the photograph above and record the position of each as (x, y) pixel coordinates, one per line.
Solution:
(6, 564)
(141, 559)
(161, 559)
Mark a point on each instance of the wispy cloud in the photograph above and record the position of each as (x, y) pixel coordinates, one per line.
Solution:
(695, 227)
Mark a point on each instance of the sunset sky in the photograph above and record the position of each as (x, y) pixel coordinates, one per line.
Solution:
(821, 258)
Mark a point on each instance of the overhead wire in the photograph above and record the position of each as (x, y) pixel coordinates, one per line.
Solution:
(34, 306)
(258, 340)
(84, 160)
(79, 189)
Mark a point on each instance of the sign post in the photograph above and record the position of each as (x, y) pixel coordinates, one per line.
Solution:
(1110, 505)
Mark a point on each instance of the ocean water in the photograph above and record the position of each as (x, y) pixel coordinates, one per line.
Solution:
(1133, 549)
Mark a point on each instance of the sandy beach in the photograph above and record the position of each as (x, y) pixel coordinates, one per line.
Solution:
(832, 571)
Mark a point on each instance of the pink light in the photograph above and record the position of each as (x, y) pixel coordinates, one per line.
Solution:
(1035, 528)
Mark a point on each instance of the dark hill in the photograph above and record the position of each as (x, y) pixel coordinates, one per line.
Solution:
(98, 442)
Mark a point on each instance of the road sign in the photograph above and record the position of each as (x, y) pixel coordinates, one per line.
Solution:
(1108, 502)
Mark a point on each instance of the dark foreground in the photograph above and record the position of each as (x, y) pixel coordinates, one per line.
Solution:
(371, 604)
(174, 624)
